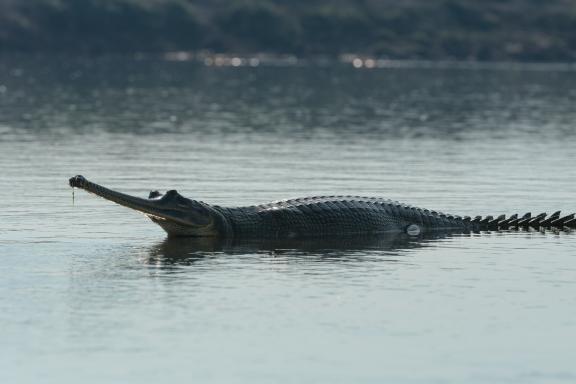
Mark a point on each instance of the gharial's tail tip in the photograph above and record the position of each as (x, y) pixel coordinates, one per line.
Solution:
(542, 220)
(77, 181)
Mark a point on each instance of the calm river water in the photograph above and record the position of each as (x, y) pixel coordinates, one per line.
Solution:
(91, 292)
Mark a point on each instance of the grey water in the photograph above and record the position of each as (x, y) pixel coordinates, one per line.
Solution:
(91, 292)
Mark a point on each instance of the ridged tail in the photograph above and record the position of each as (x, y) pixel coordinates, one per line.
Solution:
(541, 221)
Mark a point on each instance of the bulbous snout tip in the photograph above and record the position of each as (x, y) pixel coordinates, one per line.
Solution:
(77, 181)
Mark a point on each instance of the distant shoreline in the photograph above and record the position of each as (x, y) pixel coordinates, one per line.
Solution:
(418, 30)
(211, 59)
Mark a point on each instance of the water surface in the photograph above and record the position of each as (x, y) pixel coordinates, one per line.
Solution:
(92, 292)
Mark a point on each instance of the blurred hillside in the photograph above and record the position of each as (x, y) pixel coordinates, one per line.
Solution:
(521, 30)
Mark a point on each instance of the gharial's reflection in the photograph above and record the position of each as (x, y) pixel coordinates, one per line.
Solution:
(184, 251)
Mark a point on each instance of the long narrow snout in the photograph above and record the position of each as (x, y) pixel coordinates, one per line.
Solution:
(154, 208)
(143, 205)
(176, 214)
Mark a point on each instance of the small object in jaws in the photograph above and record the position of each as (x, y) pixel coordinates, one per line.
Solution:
(413, 230)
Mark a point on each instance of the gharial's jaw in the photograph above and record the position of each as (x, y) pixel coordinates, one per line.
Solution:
(171, 211)
(174, 229)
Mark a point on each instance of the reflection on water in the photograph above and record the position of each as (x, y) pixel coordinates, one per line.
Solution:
(188, 250)
(93, 292)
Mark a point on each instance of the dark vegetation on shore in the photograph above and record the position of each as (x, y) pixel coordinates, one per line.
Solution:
(486, 30)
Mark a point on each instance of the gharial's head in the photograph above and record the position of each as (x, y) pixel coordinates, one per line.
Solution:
(177, 215)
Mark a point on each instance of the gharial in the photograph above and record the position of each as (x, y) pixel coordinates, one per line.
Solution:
(320, 216)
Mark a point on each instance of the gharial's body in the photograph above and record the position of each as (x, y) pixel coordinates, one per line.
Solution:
(307, 217)
(329, 216)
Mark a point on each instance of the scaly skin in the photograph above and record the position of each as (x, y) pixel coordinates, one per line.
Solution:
(335, 216)
(322, 216)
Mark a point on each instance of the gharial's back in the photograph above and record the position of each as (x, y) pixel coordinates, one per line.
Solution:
(333, 216)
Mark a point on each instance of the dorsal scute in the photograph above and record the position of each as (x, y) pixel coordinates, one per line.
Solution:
(335, 203)
(324, 199)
